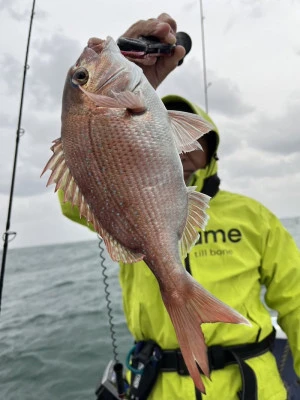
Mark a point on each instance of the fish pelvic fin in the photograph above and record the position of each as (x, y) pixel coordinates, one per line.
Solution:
(189, 306)
(62, 176)
(188, 128)
(197, 218)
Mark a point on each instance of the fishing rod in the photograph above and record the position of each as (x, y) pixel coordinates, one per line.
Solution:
(206, 85)
(20, 131)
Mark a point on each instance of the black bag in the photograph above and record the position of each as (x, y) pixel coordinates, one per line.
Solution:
(145, 367)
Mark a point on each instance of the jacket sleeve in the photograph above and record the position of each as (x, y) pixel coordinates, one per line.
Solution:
(72, 212)
(280, 272)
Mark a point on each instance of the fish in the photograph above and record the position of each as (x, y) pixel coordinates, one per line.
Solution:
(118, 161)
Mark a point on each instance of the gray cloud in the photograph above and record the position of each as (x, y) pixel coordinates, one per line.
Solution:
(17, 11)
(279, 134)
(34, 151)
(42, 128)
(280, 195)
(249, 8)
(224, 95)
(14, 9)
(11, 70)
(231, 135)
(27, 181)
(275, 136)
(49, 65)
(7, 121)
(49, 62)
(226, 98)
(251, 164)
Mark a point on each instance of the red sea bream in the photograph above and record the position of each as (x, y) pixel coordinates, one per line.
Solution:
(118, 160)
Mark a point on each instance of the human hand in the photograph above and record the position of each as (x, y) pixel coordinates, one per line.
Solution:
(164, 28)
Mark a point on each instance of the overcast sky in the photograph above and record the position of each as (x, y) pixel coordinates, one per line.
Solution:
(253, 64)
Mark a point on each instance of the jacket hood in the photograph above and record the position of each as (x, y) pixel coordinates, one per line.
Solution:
(202, 178)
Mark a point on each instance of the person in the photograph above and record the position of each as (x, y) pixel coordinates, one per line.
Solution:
(243, 247)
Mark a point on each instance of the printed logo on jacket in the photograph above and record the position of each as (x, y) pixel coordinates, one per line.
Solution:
(213, 240)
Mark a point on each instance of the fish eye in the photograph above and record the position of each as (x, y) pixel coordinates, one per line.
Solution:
(80, 76)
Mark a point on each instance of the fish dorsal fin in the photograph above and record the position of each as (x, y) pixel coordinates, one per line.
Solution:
(61, 175)
(188, 128)
(197, 218)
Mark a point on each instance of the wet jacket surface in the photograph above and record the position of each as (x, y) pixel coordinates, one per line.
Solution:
(243, 247)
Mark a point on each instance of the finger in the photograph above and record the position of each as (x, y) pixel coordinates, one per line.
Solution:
(152, 27)
(170, 63)
(178, 54)
(169, 20)
(147, 61)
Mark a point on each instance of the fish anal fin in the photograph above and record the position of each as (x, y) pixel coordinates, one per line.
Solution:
(197, 218)
(188, 128)
(62, 177)
(189, 305)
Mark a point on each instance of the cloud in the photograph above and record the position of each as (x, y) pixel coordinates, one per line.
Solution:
(34, 152)
(279, 134)
(16, 10)
(50, 63)
(231, 132)
(11, 70)
(280, 195)
(273, 136)
(27, 182)
(226, 98)
(247, 163)
(6, 121)
(50, 60)
(224, 95)
(39, 220)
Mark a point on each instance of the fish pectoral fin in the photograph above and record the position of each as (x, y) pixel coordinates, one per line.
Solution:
(100, 100)
(61, 175)
(132, 101)
(197, 218)
(188, 128)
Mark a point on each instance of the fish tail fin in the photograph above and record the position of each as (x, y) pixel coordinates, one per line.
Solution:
(189, 306)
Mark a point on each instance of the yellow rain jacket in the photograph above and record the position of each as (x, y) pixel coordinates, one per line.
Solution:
(243, 247)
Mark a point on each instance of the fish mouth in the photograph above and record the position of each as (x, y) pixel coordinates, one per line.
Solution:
(92, 51)
(96, 44)
(99, 51)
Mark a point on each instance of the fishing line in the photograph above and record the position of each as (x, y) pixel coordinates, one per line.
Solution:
(108, 301)
(7, 235)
